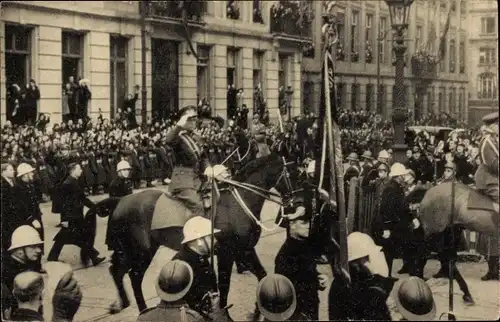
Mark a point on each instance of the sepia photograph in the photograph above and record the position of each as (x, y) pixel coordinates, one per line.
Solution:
(249, 160)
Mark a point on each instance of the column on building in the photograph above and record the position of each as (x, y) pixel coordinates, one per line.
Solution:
(137, 45)
(219, 54)
(187, 76)
(247, 70)
(457, 36)
(390, 98)
(296, 70)
(49, 66)
(97, 66)
(272, 82)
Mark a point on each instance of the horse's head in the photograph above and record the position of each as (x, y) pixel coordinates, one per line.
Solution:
(271, 171)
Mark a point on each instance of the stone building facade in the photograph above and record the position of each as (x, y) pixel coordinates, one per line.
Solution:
(483, 59)
(365, 38)
(101, 41)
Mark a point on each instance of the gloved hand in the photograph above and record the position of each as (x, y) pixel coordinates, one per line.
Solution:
(36, 224)
(67, 298)
(184, 119)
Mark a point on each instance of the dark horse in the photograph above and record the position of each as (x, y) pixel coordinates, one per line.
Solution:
(134, 243)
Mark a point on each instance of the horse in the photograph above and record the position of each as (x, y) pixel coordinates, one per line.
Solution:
(443, 209)
(134, 242)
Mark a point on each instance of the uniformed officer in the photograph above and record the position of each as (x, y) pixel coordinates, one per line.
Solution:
(195, 250)
(121, 185)
(76, 229)
(486, 178)
(296, 260)
(27, 203)
(392, 206)
(449, 173)
(173, 283)
(190, 160)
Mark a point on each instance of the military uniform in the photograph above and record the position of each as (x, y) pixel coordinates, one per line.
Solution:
(204, 278)
(191, 161)
(120, 187)
(165, 311)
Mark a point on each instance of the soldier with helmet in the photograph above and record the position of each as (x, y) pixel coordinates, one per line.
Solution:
(27, 202)
(121, 185)
(173, 283)
(191, 160)
(367, 162)
(386, 225)
(24, 254)
(449, 174)
(195, 251)
(414, 300)
(370, 287)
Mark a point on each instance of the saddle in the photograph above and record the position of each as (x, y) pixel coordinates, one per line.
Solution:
(478, 201)
(169, 212)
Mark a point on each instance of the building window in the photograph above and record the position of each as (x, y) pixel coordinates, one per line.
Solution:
(487, 56)
(231, 69)
(354, 96)
(381, 41)
(380, 98)
(203, 73)
(257, 12)
(462, 57)
(164, 78)
(118, 72)
(442, 63)
(232, 10)
(283, 71)
(308, 98)
(340, 55)
(369, 96)
(258, 66)
(72, 56)
(488, 25)
(369, 38)
(486, 86)
(18, 55)
(452, 55)
(418, 38)
(354, 36)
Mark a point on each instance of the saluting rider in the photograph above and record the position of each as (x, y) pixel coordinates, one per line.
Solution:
(191, 160)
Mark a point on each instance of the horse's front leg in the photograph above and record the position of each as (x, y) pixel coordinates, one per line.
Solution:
(225, 258)
(119, 267)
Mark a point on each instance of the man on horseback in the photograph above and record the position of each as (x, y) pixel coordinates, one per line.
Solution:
(486, 176)
(191, 161)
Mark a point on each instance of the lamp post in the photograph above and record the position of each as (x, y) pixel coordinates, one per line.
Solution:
(289, 93)
(400, 12)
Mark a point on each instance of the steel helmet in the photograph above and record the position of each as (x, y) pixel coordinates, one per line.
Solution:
(450, 165)
(25, 236)
(360, 245)
(276, 297)
(353, 156)
(123, 165)
(23, 169)
(414, 300)
(383, 154)
(174, 281)
(197, 227)
(398, 169)
(367, 155)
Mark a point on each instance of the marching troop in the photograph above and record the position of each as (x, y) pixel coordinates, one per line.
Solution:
(72, 161)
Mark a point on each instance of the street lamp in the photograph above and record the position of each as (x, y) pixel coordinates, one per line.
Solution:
(400, 13)
(289, 93)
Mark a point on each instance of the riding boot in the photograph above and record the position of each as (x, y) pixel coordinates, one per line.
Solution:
(492, 269)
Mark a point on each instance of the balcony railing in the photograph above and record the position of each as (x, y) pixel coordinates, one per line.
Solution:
(172, 9)
(291, 18)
